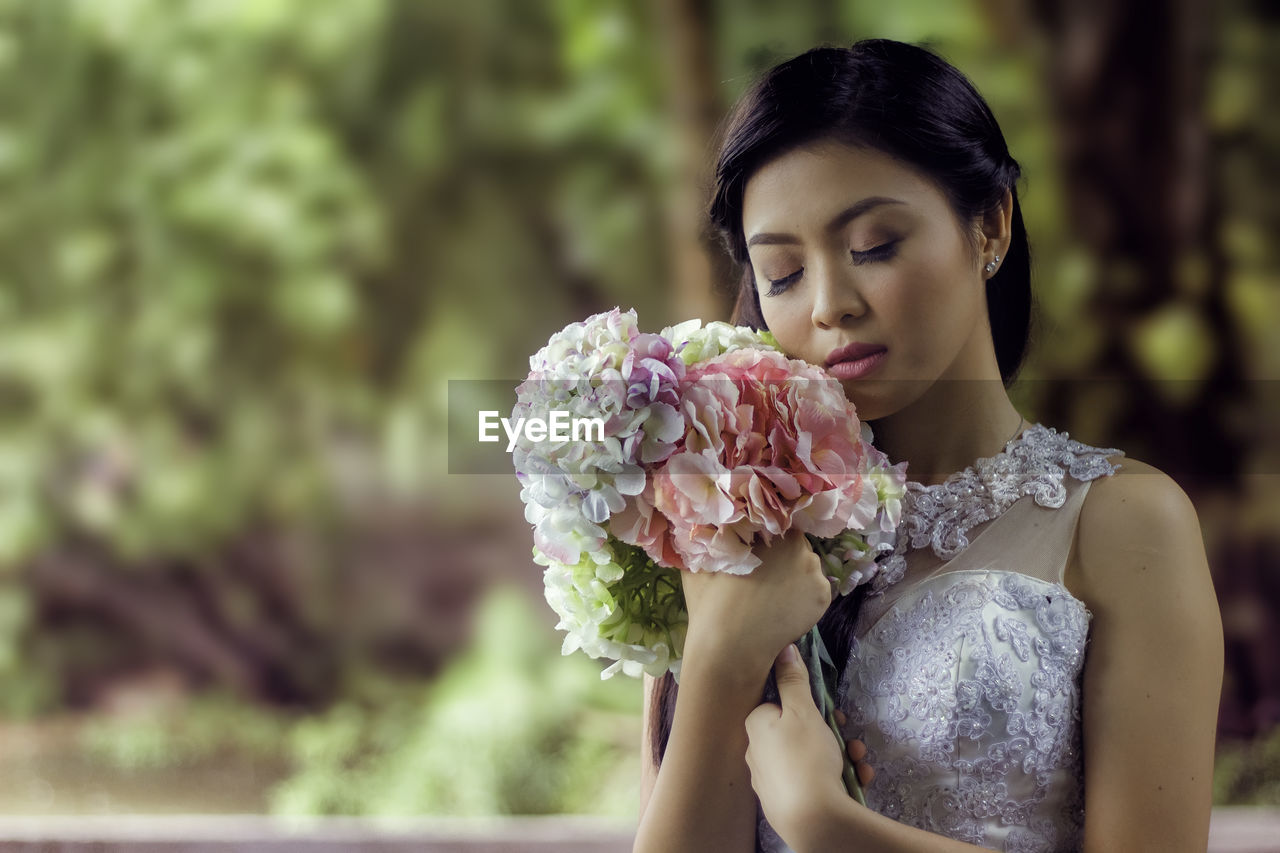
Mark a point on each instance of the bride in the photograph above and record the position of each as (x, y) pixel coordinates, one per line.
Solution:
(1037, 667)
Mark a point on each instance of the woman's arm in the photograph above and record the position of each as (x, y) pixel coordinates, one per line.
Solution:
(1153, 670)
(700, 796)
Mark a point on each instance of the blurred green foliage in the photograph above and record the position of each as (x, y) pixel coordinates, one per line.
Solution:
(510, 727)
(209, 728)
(1248, 773)
(181, 249)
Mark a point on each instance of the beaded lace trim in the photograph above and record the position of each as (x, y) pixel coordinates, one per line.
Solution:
(942, 515)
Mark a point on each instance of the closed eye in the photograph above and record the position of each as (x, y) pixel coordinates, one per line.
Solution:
(883, 252)
(778, 285)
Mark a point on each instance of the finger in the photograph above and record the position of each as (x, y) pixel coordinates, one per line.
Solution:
(841, 719)
(857, 750)
(762, 715)
(793, 679)
(865, 773)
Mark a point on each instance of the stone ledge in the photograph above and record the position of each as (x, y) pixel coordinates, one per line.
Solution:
(227, 833)
(1232, 830)
(1244, 829)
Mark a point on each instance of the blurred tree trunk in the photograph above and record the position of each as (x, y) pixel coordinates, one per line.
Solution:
(1128, 84)
(1145, 177)
(274, 616)
(700, 268)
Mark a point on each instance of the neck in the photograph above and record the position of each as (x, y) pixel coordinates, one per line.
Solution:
(953, 424)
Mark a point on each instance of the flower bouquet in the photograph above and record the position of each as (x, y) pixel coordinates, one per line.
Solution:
(708, 441)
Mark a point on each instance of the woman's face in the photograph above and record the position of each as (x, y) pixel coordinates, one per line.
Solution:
(852, 247)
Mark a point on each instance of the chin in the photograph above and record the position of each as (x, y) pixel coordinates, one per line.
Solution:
(879, 398)
(869, 398)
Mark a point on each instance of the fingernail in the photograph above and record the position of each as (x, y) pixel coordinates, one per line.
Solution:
(791, 654)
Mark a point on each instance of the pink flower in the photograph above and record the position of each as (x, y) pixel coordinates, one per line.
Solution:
(770, 444)
(640, 523)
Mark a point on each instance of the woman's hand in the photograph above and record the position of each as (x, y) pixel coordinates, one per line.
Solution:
(743, 620)
(795, 762)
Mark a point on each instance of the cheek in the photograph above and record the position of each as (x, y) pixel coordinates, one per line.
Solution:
(785, 319)
(948, 287)
(934, 302)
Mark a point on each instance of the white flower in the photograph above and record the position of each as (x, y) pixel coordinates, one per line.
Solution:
(624, 608)
(695, 342)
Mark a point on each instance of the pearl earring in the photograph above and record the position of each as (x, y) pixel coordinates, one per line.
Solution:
(991, 265)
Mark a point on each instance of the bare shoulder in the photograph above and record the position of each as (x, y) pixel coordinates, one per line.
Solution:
(1153, 665)
(1137, 529)
(1138, 502)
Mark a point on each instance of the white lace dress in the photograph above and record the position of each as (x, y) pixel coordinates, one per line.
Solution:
(964, 677)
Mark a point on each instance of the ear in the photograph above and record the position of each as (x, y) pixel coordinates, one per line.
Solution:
(996, 233)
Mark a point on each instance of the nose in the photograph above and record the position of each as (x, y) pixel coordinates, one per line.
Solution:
(836, 296)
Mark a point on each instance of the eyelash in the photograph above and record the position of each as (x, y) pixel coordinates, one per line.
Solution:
(779, 285)
(883, 252)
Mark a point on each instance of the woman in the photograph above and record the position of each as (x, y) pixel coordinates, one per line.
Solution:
(870, 197)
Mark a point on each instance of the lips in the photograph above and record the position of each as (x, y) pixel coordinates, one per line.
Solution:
(852, 352)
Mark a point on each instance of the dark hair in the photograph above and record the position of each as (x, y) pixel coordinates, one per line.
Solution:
(911, 104)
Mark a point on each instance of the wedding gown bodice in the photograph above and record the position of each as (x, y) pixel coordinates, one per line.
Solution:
(965, 671)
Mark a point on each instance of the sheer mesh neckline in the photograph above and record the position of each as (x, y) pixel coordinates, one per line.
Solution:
(1031, 464)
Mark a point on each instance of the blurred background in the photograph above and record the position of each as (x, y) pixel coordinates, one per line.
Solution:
(246, 244)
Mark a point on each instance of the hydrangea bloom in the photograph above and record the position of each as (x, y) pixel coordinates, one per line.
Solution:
(630, 610)
(770, 444)
(850, 556)
(605, 368)
(696, 343)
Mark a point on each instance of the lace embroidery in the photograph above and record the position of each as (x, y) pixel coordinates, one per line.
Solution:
(941, 516)
(968, 698)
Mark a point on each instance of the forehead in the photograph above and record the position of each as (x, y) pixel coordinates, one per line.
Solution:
(810, 184)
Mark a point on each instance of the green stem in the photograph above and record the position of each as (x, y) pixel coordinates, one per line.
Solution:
(812, 652)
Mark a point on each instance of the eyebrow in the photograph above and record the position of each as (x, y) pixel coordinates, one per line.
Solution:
(837, 222)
